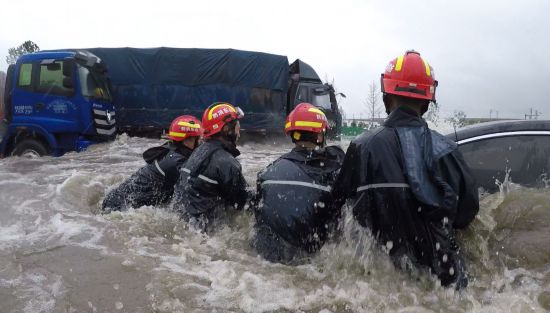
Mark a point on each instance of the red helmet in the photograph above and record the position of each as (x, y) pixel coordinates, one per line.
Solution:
(183, 127)
(409, 76)
(306, 117)
(217, 115)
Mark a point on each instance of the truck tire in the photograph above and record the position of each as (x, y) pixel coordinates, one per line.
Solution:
(30, 148)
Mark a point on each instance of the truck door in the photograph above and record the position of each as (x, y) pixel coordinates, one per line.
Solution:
(44, 94)
(22, 91)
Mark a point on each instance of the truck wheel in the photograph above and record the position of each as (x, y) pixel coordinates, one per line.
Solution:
(30, 148)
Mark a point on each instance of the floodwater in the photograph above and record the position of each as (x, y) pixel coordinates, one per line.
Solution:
(57, 254)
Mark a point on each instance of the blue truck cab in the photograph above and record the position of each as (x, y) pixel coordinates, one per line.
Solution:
(55, 102)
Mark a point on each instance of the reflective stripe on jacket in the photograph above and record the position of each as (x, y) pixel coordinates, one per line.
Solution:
(152, 184)
(411, 187)
(294, 196)
(211, 178)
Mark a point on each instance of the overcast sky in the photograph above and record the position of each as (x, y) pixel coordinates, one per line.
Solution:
(487, 55)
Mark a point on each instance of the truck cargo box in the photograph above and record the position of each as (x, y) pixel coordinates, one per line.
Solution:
(153, 86)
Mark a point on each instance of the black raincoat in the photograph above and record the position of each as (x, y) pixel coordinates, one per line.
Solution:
(411, 187)
(152, 184)
(294, 205)
(211, 180)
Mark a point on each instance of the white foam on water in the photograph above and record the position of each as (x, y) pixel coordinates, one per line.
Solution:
(38, 291)
(193, 272)
(10, 235)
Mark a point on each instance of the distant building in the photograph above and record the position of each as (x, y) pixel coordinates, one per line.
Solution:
(477, 120)
(362, 121)
(368, 123)
(356, 126)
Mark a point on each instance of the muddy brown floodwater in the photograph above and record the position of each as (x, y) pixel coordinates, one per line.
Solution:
(58, 255)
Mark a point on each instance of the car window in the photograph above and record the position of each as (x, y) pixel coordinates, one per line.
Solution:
(527, 158)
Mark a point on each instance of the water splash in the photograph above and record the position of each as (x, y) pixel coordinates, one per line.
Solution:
(48, 228)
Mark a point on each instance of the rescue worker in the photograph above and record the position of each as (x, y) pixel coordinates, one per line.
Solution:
(212, 178)
(154, 183)
(293, 205)
(410, 185)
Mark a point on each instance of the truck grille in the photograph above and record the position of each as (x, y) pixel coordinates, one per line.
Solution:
(104, 122)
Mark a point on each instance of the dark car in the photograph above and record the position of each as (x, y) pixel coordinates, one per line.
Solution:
(519, 147)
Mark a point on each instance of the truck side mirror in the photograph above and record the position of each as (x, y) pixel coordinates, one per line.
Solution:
(321, 90)
(53, 66)
(68, 82)
(68, 73)
(68, 68)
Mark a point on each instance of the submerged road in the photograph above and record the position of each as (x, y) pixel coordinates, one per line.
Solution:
(57, 254)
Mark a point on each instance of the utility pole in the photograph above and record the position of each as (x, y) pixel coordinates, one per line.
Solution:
(532, 115)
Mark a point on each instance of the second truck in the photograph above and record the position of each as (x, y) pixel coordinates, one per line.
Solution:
(152, 86)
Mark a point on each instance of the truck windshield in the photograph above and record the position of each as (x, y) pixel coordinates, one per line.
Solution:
(93, 84)
(322, 101)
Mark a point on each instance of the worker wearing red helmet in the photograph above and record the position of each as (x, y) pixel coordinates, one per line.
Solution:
(212, 178)
(410, 185)
(154, 183)
(294, 208)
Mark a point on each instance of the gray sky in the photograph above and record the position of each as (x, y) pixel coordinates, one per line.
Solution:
(486, 54)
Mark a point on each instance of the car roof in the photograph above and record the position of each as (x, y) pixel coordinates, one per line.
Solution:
(500, 129)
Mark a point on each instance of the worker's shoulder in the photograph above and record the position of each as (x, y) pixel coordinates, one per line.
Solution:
(224, 156)
(378, 136)
(281, 168)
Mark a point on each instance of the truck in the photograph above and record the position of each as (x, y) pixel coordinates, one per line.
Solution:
(64, 100)
(154, 85)
(55, 102)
